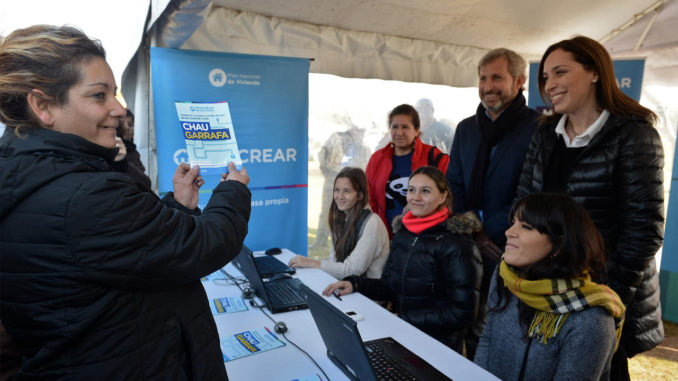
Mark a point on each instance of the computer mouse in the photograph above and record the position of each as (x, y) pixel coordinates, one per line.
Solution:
(280, 327)
(279, 276)
(273, 251)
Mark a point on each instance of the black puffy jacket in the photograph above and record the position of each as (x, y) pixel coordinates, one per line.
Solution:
(99, 279)
(432, 278)
(618, 179)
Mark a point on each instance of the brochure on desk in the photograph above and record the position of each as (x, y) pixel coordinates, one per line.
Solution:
(249, 342)
(228, 305)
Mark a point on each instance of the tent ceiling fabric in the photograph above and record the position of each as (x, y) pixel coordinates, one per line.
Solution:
(432, 41)
(661, 33)
(527, 26)
(335, 51)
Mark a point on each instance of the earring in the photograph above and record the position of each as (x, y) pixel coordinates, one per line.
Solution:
(595, 80)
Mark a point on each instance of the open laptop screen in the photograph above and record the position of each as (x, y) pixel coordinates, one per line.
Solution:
(340, 334)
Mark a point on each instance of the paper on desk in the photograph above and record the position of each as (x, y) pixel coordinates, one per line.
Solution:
(208, 133)
(246, 343)
(214, 276)
(228, 305)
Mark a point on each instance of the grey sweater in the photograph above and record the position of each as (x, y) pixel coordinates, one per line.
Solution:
(582, 350)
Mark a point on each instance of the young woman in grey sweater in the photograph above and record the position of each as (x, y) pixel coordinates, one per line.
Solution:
(548, 319)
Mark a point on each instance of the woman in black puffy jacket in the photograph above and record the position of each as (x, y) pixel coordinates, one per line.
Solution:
(99, 278)
(432, 276)
(600, 147)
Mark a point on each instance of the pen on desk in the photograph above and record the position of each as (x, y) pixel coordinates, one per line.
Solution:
(336, 294)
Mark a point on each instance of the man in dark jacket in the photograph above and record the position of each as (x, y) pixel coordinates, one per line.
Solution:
(488, 153)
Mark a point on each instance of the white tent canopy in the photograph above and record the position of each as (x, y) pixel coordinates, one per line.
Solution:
(434, 41)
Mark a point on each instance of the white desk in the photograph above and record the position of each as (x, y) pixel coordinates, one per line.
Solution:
(288, 363)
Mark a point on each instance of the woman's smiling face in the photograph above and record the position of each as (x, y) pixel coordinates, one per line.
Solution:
(91, 111)
(423, 196)
(568, 84)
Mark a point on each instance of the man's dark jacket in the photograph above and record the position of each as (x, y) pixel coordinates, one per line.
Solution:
(618, 179)
(100, 279)
(503, 171)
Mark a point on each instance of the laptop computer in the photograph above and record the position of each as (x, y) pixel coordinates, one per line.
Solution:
(280, 295)
(381, 359)
(267, 266)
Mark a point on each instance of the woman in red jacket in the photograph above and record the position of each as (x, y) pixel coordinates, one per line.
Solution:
(390, 167)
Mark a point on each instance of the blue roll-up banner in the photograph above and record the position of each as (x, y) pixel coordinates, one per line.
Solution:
(268, 102)
(628, 72)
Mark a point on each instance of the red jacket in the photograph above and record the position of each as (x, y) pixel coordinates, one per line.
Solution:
(381, 165)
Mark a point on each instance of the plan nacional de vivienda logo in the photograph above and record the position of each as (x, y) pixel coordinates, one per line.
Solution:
(218, 77)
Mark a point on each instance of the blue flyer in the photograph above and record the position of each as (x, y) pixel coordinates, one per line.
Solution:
(228, 305)
(246, 343)
(208, 132)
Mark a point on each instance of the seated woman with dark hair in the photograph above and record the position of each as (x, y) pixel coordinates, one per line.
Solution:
(432, 275)
(547, 319)
(359, 238)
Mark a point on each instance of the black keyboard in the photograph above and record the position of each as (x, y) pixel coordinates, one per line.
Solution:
(269, 265)
(283, 293)
(382, 365)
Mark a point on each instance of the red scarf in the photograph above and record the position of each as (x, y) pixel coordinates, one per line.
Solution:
(418, 224)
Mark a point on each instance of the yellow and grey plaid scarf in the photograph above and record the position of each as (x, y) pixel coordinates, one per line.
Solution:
(554, 299)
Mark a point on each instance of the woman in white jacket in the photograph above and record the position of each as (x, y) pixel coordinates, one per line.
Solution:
(360, 244)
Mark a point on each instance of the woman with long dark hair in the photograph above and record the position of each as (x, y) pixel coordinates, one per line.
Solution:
(432, 275)
(549, 317)
(360, 242)
(600, 147)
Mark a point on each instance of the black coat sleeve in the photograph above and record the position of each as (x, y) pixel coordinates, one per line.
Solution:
(640, 213)
(455, 174)
(376, 289)
(456, 307)
(531, 173)
(126, 237)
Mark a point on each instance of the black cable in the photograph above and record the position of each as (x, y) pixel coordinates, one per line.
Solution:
(261, 308)
(307, 355)
(237, 282)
